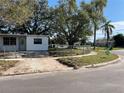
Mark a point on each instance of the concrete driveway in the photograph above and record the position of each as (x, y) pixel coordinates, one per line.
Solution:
(109, 79)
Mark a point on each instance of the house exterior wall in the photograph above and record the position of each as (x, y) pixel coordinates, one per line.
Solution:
(30, 46)
(8, 47)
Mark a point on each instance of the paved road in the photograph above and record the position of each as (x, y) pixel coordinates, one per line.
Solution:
(109, 79)
(118, 52)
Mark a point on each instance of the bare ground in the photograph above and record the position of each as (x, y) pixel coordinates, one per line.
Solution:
(36, 65)
(33, 65)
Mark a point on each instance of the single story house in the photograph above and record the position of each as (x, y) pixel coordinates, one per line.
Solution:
(103, 43)
(23, 42)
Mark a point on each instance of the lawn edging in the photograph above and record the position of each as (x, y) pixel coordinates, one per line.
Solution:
(90, 54)
(103, 64)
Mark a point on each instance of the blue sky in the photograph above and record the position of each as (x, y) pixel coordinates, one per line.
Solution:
(114, 12)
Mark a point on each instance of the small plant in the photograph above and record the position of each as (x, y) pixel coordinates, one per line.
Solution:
(107, 51)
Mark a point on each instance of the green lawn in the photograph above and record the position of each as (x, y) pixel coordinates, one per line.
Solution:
(118, 48)
(114, 48)
(87, 60)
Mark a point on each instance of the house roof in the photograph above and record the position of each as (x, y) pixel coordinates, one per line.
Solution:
(25, 35)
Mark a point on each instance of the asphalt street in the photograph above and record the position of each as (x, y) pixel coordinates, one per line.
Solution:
(108, 79)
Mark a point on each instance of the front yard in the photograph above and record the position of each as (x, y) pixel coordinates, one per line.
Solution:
(5, 65)
(49, 64)
(87, 60)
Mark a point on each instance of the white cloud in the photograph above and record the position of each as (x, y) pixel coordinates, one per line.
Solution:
(119, 27)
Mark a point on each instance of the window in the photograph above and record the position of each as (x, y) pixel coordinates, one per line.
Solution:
(9, 41)
(37, 41)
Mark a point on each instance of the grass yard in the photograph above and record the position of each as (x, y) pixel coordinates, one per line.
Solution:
(88, 60)
(104, 48)
(118, 48)
(5, 65)
(100, 48)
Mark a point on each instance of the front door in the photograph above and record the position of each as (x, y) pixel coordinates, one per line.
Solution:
(22, 43)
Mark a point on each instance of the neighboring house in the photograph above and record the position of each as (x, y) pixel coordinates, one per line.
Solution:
(23, 42)
(103, 43)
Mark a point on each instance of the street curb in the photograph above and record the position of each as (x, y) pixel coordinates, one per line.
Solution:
(68, 70)
(103, 64)
(71, 69)
(39, 72)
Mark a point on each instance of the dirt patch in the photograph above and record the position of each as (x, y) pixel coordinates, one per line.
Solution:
(32, 65)
(5, 65)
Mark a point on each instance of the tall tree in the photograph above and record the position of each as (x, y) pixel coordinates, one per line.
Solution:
(16, 11)
(39, 23)
(70, 4)
(107, 29)
(72, 24)
(95, 12)
(118, 40)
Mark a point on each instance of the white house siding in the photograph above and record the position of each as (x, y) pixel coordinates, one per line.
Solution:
(30, 46)
(8, 47)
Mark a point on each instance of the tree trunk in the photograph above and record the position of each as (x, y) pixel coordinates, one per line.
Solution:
(71, 44)
(94, 43)
(108, 37)
(107, 43)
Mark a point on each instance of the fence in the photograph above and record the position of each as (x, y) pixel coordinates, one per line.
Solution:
(5, 54)
(67, 50)
(68, 46)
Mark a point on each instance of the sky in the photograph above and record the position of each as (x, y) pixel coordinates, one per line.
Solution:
(114, 12)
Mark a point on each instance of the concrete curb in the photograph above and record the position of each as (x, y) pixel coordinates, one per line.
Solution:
(103, 64)
(68, 70)
(37, 72)
(11, 59)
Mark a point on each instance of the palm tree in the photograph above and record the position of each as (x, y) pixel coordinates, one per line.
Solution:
(72, 5)
(107, 28)
(97, 15)
(95, 12)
